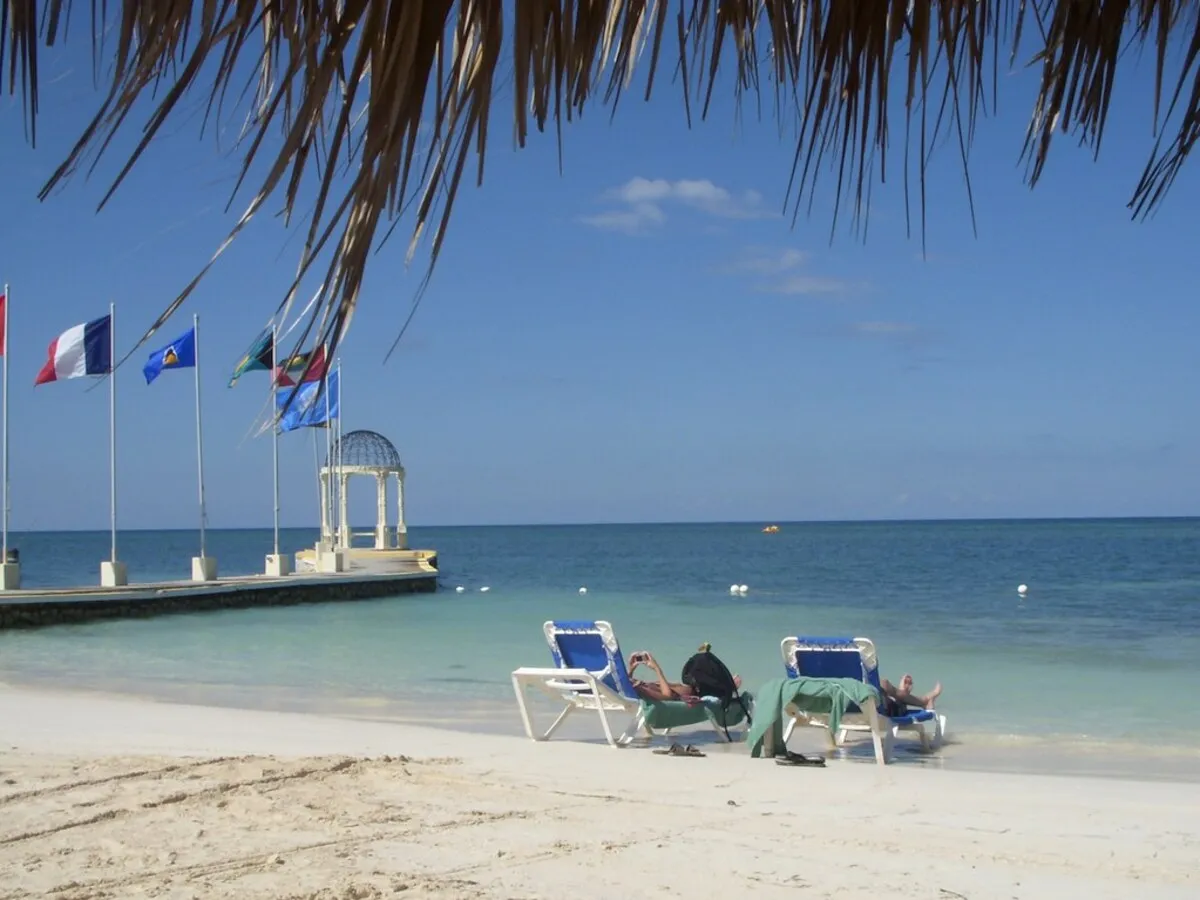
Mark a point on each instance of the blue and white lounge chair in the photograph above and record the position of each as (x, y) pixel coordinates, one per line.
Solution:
(842, 657)
(590, 674)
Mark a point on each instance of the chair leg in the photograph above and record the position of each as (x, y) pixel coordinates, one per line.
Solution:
(562, 716)
(882, 739)
(926, 743)
(720, 730)
(788, 729)
(883, 732)
(519, 690)
(939, 731)
(638, 723)
(608, 735)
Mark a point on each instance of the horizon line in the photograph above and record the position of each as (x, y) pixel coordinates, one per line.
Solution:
(660, 523)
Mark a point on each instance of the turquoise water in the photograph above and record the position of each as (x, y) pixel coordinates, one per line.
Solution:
(1106, 644)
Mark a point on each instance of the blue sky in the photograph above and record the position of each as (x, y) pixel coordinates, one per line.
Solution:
(643, 338)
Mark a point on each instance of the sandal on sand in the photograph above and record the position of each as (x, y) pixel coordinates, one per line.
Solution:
(799, 759)
(677, 750)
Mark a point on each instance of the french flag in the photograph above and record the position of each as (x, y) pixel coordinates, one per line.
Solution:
(82, 350)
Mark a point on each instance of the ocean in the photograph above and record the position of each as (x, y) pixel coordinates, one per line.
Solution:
(1102, 652)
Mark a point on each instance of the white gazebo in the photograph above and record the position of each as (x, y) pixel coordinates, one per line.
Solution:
(363, 453)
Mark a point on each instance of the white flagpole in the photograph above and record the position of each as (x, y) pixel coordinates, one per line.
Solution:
(7, 343)
(342, 502)
(320, 492)
(329, 494)
(275, 434)
(199, 431)
(112, 423)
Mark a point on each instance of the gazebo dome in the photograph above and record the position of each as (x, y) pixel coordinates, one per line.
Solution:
(366, 450)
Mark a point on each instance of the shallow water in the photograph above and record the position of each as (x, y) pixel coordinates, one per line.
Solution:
(1104, 646)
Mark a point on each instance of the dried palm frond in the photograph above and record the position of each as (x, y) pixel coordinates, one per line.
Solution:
(381, 103)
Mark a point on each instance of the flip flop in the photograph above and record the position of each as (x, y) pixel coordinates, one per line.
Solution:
(799, 759)
(677, 750)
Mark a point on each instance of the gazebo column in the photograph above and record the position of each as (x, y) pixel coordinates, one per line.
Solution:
(343, 510)
(401, 528)
(381, 525)
(326, 529)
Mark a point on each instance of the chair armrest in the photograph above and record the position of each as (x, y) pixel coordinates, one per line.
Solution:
(535, 672)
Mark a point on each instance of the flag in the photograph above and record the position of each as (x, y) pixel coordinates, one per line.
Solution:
(308, 408)
(259, 358)
(83, 350)
(320, 367)
(180, 354)
(3, 321)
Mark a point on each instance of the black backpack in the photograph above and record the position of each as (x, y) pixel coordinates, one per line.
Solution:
(709, 677)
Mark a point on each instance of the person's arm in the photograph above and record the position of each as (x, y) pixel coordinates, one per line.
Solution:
(665, 685)
(631, 666)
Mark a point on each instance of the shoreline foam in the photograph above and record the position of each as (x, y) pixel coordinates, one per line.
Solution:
(972, 750)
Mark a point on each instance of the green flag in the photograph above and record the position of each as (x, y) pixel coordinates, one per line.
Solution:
(260, 357)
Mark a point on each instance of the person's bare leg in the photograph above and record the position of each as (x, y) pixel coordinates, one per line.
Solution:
(932, 696)
(904, 693)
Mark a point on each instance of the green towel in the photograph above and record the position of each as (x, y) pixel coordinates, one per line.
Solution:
(821, 696)
(664, 714)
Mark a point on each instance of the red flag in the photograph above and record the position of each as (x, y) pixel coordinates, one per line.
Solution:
(3, 322)
(297, 363)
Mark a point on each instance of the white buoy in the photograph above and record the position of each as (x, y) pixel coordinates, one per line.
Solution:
(1022, 589)
(484, 589)
(583, 590)
(733, 589)
(460, 589)
(743, 588)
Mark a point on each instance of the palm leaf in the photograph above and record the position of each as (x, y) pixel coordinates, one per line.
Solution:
(382, 103)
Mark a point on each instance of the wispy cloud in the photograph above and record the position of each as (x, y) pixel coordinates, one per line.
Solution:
(807, 285)
(641, 204)
(915, 342)
(765, 261)
(784, 271)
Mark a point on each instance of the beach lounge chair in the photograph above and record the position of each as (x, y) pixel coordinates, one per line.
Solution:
(843, 657)
(590, 674)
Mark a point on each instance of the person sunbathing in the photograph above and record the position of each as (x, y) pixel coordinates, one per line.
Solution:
(662, 688)
(899, 699)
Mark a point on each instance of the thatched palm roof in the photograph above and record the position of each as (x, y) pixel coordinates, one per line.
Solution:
(306, 69)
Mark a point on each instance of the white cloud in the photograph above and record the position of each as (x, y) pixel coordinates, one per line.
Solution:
(641, 203)
(637, 217)
(806, 285)
(777, 270)
(765, 261)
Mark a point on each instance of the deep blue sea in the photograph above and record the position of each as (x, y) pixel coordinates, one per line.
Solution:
(1105, 647)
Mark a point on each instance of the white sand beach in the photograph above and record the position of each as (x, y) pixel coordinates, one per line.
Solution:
(104, 797)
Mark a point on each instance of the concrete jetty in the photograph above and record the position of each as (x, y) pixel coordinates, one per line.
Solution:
(66, 606)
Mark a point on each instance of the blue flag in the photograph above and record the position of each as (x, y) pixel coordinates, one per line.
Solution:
(311, 407)
(179, 354)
